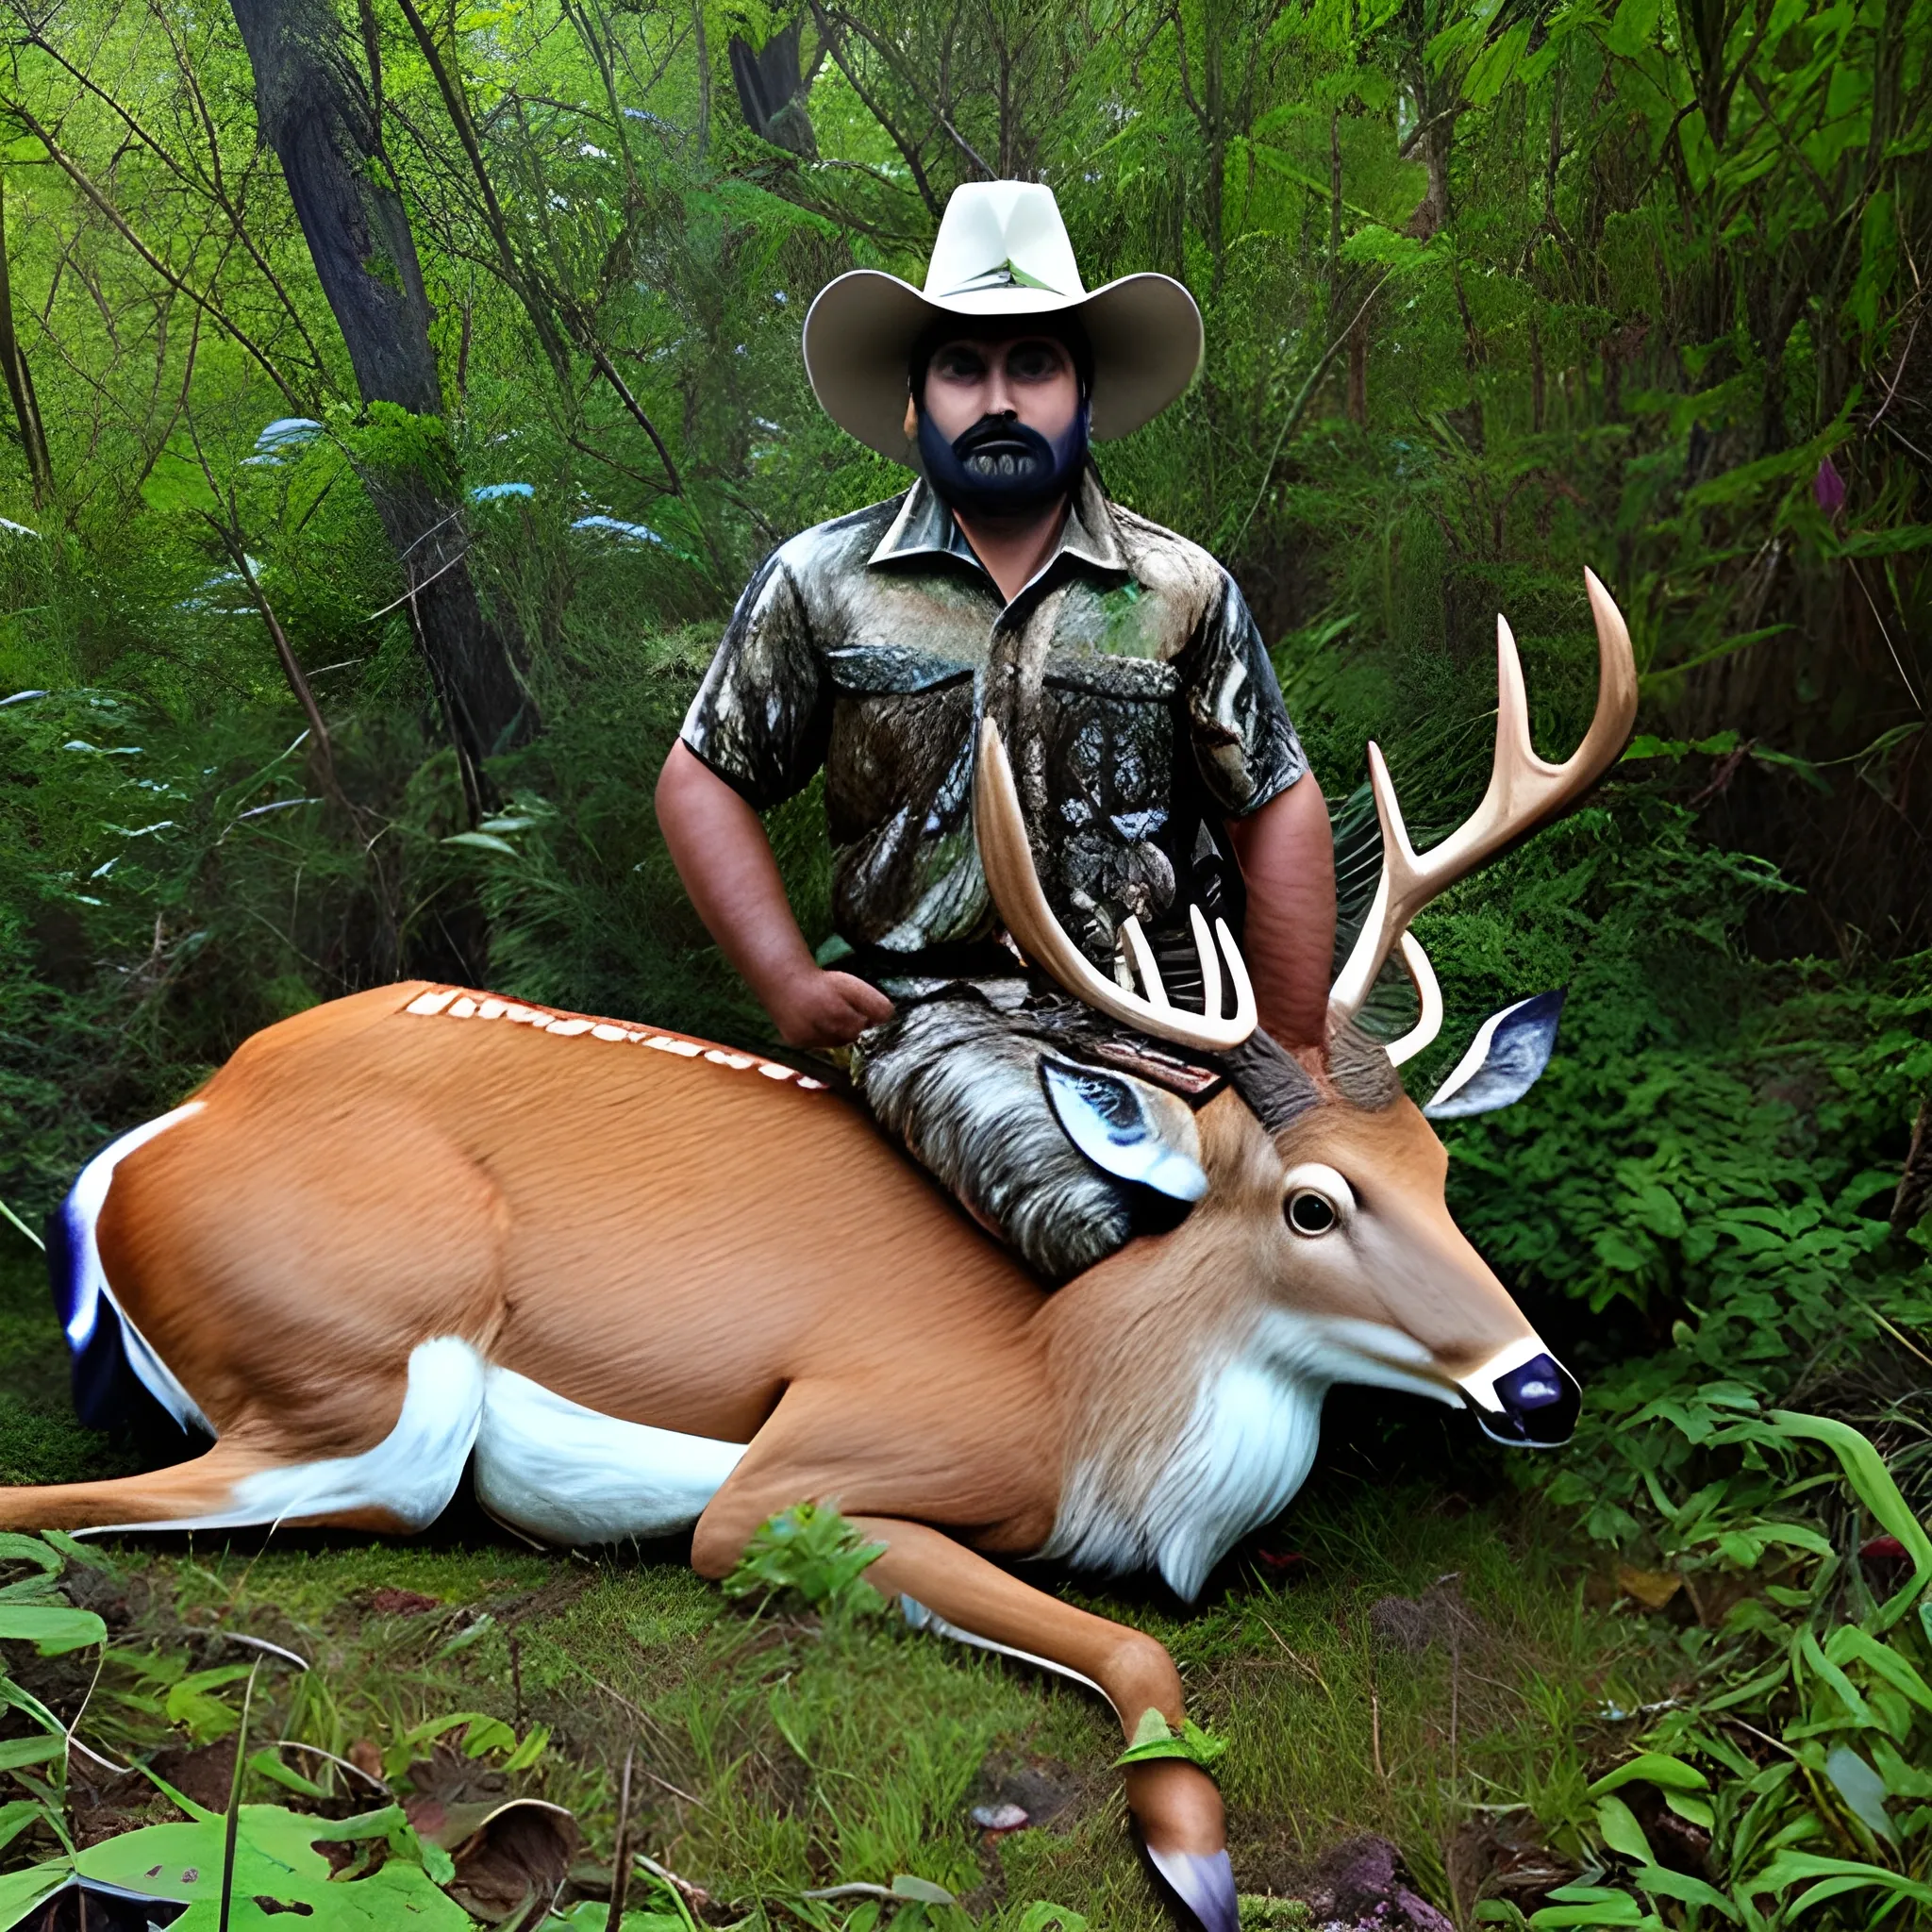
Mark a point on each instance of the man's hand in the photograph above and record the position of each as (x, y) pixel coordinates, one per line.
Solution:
(822, 1009)
(727, 865)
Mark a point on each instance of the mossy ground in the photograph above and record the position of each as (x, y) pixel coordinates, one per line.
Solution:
(781, 1754)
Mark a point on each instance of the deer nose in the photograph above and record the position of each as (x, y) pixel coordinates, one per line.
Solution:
(1528, 1400)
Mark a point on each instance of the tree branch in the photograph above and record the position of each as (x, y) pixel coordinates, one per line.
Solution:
(215, 313)
(515, 269)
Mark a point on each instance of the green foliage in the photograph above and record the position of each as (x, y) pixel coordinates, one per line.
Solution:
(811, 1553)
(1837, 1810)
(1488, 298)
(276, 1860)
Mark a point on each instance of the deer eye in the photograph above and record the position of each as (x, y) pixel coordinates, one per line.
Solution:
(1310, 1213)
(1314, 1198)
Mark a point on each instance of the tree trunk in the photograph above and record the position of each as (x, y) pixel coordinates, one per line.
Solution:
(26, 410)
(314, 110)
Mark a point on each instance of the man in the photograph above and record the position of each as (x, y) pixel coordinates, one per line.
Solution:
(1147, 731)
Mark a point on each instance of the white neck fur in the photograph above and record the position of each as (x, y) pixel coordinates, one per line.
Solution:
(1244, 1450)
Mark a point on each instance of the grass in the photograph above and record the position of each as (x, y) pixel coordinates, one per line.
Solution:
(781, 1753)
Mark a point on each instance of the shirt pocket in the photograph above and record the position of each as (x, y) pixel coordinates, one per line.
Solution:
(902, 732)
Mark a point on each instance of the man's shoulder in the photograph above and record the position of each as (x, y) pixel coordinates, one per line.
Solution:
(839, 543)
(1164, 561)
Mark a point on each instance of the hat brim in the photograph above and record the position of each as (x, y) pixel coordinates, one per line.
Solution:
(1145, 331)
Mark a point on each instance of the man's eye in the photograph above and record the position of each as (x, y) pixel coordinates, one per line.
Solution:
(1033, 362)
(961, 365)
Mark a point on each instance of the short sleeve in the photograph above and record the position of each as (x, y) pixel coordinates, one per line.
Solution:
(1244, 745)
(761, 717)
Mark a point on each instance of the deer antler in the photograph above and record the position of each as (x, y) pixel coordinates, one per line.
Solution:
(1523, 792)
(1007, 859)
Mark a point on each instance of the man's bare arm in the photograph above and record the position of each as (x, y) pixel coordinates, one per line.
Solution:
(1286, 856)
(725, 861)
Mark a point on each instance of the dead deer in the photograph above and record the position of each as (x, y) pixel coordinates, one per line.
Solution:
(636, 1282)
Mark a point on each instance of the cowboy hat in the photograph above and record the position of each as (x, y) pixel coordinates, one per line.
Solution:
(1002, 252)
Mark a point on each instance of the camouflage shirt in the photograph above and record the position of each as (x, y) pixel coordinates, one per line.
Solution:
(1127, 678)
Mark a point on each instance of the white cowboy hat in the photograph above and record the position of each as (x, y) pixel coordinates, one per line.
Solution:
(1002, 252)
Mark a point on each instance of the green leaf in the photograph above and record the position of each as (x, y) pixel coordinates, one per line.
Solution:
(1652, 1767)
(268, 1763)
(191, 1705)
(1615, 1909)
(1850, 1644)
(1662, 1882)
(17, 1815)
(1862, 1790)
(18, 1548)
(1657, 1210)
(1872, 1481)
(905, 1885)
(1790, 1867)
(483, 842)
(1847, 1692)
(1620, 1831)
(481, 1733)
(1153, 1739)
(810, 1550)
(21, 1891)
(51, 1631)
(1693, 1810)
(592, 1915)
(275, 1859)
(527, 1752)
(15, 1752)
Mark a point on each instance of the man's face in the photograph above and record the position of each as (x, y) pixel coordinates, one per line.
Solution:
(1030, 378)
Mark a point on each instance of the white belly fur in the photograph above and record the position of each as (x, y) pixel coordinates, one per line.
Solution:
(569, 1474)
(548, 1466)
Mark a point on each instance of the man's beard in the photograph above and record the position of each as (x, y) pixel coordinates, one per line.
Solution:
(1001, 468)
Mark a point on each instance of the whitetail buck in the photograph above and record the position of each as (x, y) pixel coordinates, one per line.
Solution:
(638, 1282)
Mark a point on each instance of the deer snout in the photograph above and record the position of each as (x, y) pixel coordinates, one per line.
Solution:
(1525, 1396)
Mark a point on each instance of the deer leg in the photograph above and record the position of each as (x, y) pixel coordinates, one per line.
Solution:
(256, 1474)
(1174, 1804)
(187, 1490)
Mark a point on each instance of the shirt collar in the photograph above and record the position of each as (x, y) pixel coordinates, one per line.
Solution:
(925, 528)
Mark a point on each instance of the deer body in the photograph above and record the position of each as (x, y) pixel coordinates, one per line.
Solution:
(641, 1283)
(728, 1240)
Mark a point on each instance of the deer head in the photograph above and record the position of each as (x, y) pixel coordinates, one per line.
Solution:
(1323, 1175)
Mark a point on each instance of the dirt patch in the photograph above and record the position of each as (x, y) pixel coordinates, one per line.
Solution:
(1362, 1886)
(105, 1805)
(1415, 1623)
(118, 1597)
(392, 1600)
(1489, 1861)
(1045, 1789)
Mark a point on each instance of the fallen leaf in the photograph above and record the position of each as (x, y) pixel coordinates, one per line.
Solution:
(511, 1856)
(1653, 1589)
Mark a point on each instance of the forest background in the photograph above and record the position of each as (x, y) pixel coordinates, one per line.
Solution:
(397, 397)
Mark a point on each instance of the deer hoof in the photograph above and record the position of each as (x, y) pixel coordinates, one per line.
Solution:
(1203, 1883)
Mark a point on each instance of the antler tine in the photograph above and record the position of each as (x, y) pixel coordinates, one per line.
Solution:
(1428, 990)
(1007, 859)
(1524, 791)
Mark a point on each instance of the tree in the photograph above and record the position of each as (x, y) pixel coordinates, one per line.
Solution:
(315, 112)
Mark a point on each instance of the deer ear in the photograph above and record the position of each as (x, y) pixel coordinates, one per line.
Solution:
(1504, 1061)
(1127, 1128)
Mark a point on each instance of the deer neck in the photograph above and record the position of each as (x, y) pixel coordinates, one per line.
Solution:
(1194, 1406)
